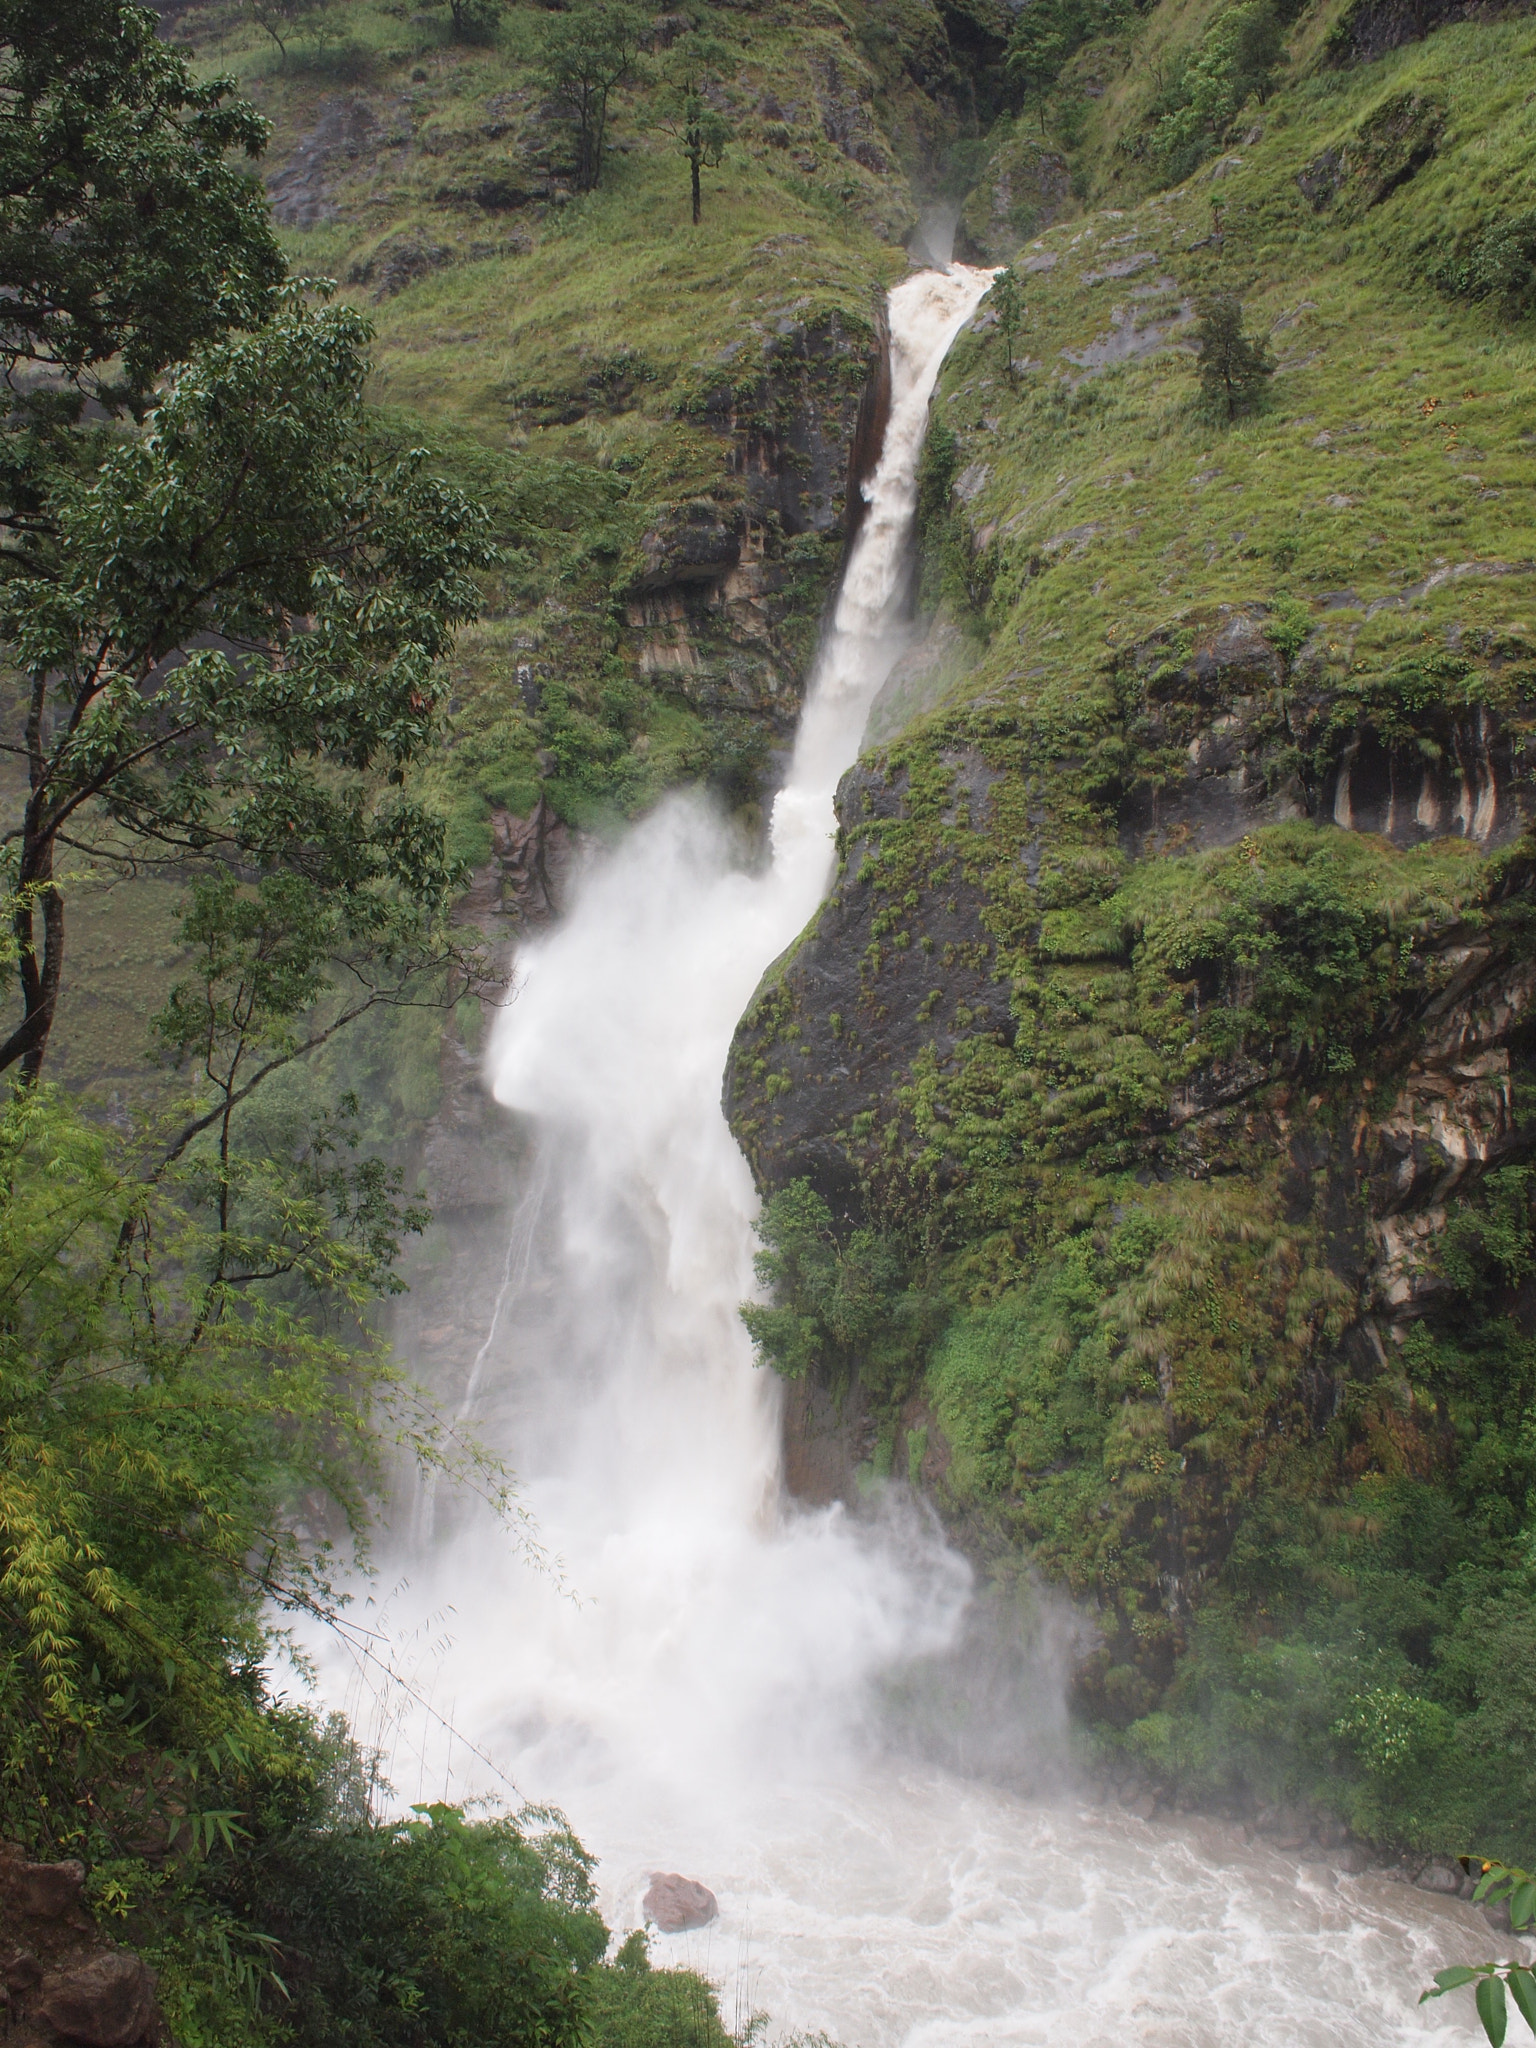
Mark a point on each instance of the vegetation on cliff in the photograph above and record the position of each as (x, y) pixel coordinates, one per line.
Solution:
(1169, 1020)
(1152, 1145)
(226, 595)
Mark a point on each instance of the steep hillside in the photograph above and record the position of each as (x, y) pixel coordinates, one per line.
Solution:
(1145, 1117)
(1169, 1027)
(664, 417)
(667, 413)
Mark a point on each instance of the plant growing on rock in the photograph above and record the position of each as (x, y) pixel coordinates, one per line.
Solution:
(1234, 368)
(1008, 303)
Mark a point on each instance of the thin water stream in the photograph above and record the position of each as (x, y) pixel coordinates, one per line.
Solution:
(700, 1684)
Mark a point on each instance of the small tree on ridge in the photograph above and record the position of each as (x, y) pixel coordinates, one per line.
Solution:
(701, 133)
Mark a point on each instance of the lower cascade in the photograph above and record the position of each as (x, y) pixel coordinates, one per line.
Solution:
(711, 1680)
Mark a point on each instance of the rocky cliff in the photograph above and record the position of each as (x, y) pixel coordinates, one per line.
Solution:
(1171, 1015)
(1167, 1030)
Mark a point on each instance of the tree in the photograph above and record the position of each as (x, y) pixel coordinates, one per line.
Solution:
(1008, 303)
(226, 623)
(585, 53)
(701, 132)
(127, 237)
(1046, 35)
(1233, 367)
(474, 21)
(281, 18)
(1235, 62)
(228, 646)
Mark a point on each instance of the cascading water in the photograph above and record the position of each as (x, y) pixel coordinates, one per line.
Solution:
(697, 1682)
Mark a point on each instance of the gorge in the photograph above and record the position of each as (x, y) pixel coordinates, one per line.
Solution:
(767, 819)
(704, 1673)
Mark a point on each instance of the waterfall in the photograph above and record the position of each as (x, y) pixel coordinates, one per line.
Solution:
(696, 1678)
(711, 1632)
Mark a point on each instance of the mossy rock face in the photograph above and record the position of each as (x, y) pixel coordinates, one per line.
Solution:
(1024, 188)
(1392, 142)
(1209, 784)
(1368, 29)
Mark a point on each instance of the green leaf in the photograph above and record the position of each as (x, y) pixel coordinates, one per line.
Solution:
(1491, 2009)
(1522, 1904)
(1458, 1974)
(1522, 1988)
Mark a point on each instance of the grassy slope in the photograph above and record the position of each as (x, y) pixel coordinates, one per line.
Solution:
(1161, 1388)
(557, 351)
(1150, 1386)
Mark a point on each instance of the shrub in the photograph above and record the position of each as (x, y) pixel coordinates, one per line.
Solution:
(1497, 264)
(1236, 62)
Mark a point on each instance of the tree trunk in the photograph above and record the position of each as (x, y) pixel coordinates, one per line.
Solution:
(693, 165)
(39, 974)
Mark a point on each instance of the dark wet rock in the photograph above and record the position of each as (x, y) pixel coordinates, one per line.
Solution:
(1134, 332)
(1390, 146)
(107, 2002)
(299, 189)
(696, 542)
(836, 1023)
(400, 262)
(1024, 187)
(847, 119)
(1370, 28)
(41, 1891)
(718, 595)
(1122, 266)
(20, 1970)
(677, 1904)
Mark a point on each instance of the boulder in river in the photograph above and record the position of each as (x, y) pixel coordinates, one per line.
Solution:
(675, 1904)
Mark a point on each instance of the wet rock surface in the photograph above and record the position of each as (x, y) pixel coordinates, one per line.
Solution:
(62, 1981)
(676, 1905)
(840, 1067)
(833, 1030)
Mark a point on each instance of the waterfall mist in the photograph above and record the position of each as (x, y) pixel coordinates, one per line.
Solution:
(711, 1679)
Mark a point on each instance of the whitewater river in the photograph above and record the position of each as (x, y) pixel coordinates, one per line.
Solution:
(698, 1677)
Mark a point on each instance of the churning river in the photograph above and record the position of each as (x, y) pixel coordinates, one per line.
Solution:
(704, 1679)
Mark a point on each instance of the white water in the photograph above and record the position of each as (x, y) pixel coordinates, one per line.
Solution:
(700, 1689)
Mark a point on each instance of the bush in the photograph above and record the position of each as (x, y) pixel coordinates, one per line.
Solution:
(1497, 264)
(1236, 62)
(843, 1303)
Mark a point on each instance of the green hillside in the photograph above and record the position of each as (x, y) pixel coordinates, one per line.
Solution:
(1145, 1121)
(1202, 1120)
